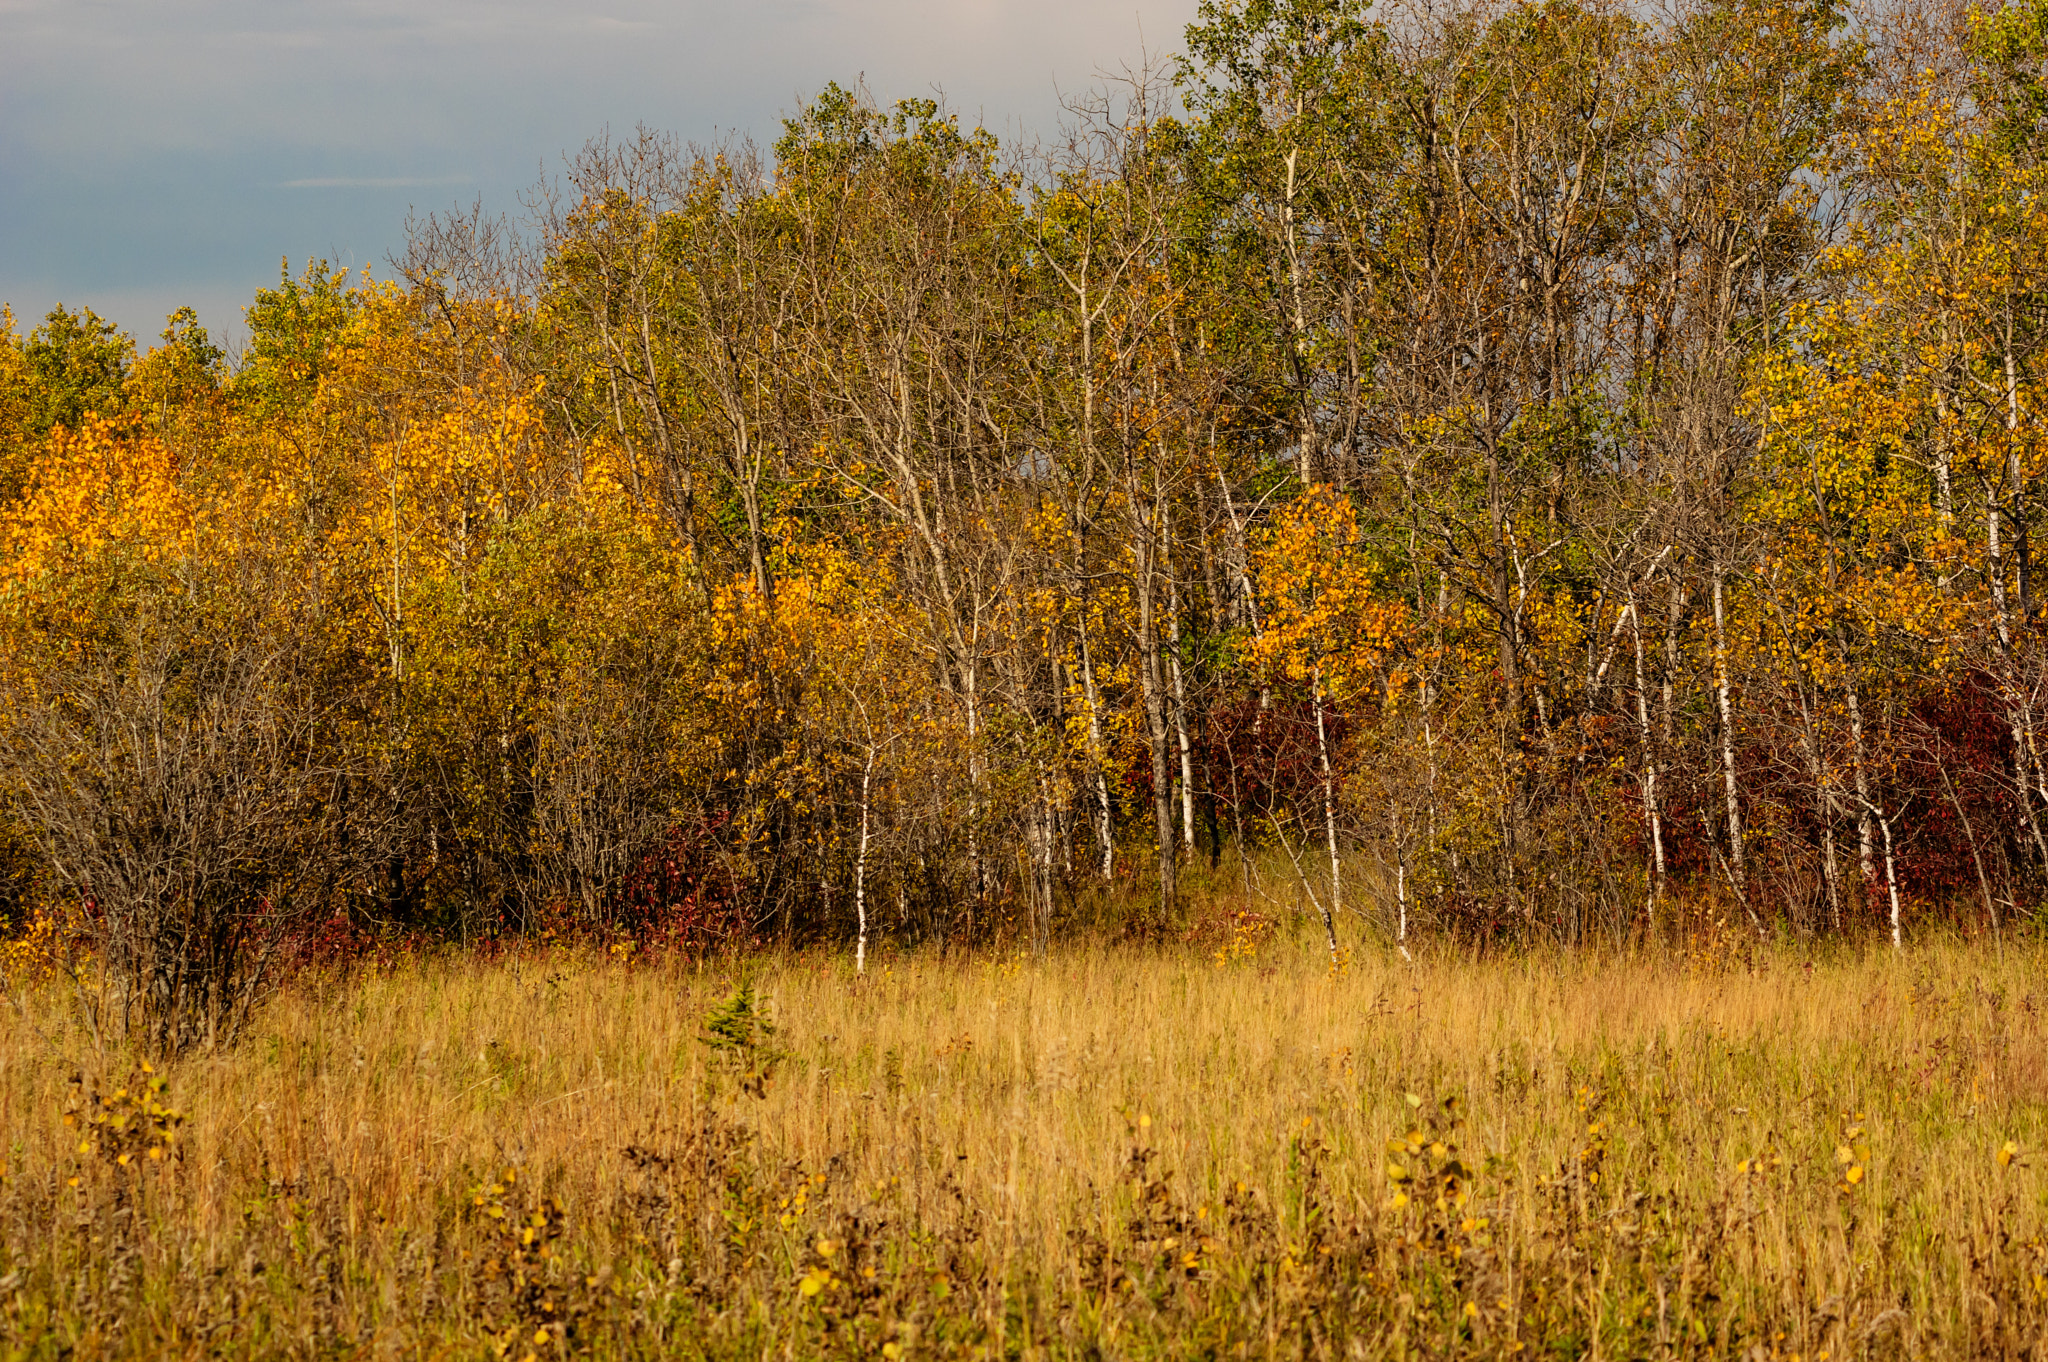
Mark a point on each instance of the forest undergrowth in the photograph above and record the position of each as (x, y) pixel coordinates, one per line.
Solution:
(1220, 1147)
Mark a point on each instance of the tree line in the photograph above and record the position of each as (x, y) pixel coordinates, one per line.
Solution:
(1511, 470)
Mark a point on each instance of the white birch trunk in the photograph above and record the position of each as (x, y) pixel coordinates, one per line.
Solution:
(1737, 863)
(1652, 814)
(860, 870)
(1329, 803)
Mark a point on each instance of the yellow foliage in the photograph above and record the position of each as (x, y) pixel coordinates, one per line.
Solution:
(1330, 617)
(103, 488)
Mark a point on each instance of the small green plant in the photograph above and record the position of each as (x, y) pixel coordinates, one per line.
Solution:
(739, 1034)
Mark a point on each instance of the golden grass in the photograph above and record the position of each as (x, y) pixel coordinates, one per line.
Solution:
(1104, 1153)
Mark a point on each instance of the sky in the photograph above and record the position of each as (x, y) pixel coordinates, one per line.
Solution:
(157, 153)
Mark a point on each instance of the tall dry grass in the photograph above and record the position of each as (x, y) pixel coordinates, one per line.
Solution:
(1113, 1153)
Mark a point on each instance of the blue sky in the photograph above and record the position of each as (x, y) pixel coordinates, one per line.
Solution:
(159, 152)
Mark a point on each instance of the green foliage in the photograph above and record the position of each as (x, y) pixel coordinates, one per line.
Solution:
(196, 353)
(76, 364)
(2010, 42)
(294, 330)
(17, 442)
(739, 1032)
(831, 134)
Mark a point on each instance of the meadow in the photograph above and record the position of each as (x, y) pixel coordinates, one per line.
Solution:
(1227, 1148)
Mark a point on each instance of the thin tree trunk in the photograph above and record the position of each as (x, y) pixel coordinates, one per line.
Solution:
(2026, 759)
(1401, 829)
(1829, 867)
(860, 870)
(1673, 616)
(1738, 865)
(975, 868)
(1180, 694)
(1301, 878)
(2021, 548)
(1305, 466)
(1152, 681)
(1969, 831)
(1040, 831)
(1891, 881)
(1329, 801)
(1097, 754)
(1944, 491)
(757, 556)
(1866, 841)
(1652, 814)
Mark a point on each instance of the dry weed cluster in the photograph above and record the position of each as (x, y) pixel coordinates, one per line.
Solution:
(1099, 1155)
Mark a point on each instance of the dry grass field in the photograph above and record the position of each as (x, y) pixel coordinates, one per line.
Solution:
(1175, 1152)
